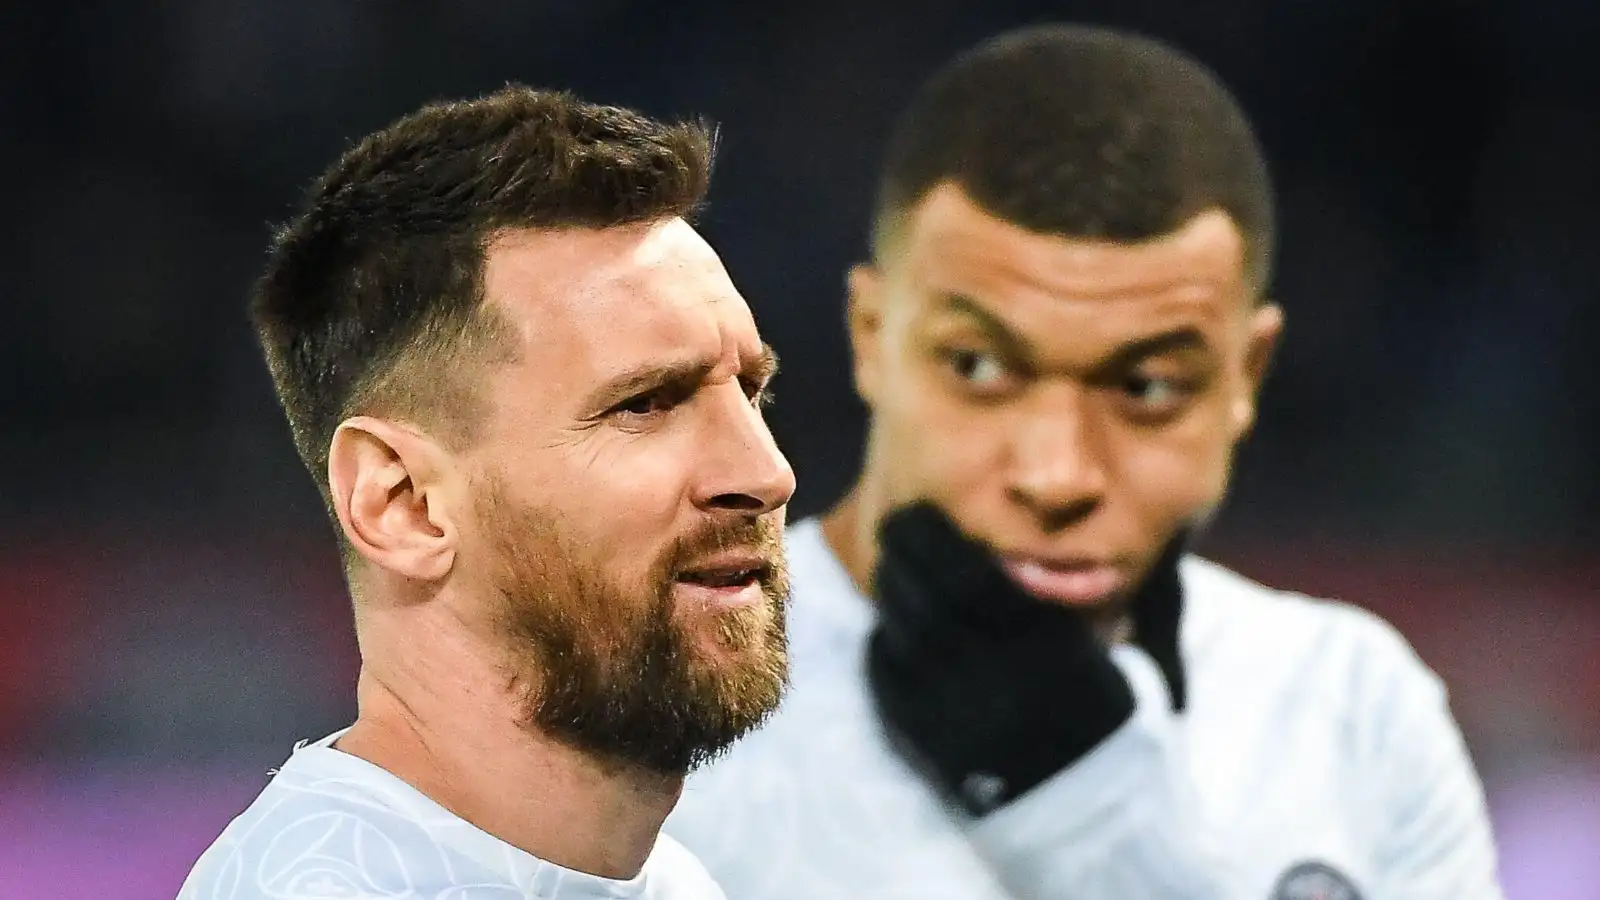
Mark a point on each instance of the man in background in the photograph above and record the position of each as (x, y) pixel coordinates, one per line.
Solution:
(1011, 678)
(530, 397)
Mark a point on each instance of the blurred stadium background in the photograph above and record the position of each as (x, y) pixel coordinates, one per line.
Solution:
(171, 616)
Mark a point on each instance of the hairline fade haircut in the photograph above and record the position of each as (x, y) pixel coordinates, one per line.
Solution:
(1081, 132)
(372, 298)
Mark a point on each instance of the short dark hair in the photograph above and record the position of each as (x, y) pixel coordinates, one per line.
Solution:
(372, 297)
(1082, 132)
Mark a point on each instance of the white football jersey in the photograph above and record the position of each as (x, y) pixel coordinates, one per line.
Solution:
(331, 825)
(1317, 759)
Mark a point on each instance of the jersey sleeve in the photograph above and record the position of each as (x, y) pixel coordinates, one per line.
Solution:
(815, 807)
(1438, 841)
(1124, 821)
(1120, 823)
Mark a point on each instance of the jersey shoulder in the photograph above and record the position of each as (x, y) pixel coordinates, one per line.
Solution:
(331, 825)
(1236, 627)
(306, 834)
(677, 874)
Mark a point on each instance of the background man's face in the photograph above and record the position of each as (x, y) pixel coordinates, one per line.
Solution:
(1071, 403)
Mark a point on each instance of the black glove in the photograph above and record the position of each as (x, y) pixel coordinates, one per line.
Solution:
(986, 689)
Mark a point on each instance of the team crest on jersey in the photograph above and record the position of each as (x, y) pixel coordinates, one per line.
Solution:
(1314, 881)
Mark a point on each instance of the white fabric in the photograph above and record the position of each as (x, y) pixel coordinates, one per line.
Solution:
(331, 825)
(1314, 736)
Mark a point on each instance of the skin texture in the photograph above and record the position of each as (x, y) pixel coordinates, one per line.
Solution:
(534, 658)
(1069, 403)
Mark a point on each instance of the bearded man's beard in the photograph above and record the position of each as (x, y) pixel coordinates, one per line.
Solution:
(612, 672)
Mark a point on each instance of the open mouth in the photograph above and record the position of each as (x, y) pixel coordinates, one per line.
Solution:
(727, 576)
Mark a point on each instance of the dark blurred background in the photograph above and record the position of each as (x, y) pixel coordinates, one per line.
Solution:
(171, 613)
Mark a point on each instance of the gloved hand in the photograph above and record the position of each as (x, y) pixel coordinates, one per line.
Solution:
(986, 689)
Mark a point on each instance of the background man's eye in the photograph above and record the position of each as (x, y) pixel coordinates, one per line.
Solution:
(1158, 395)
(1153, 391)
(976, 366)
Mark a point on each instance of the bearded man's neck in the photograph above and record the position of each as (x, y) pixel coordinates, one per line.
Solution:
(461, 741)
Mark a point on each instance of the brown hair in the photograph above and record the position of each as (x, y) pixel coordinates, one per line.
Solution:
(372, 297)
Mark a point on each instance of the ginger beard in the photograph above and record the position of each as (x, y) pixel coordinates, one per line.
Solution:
(614, 670)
